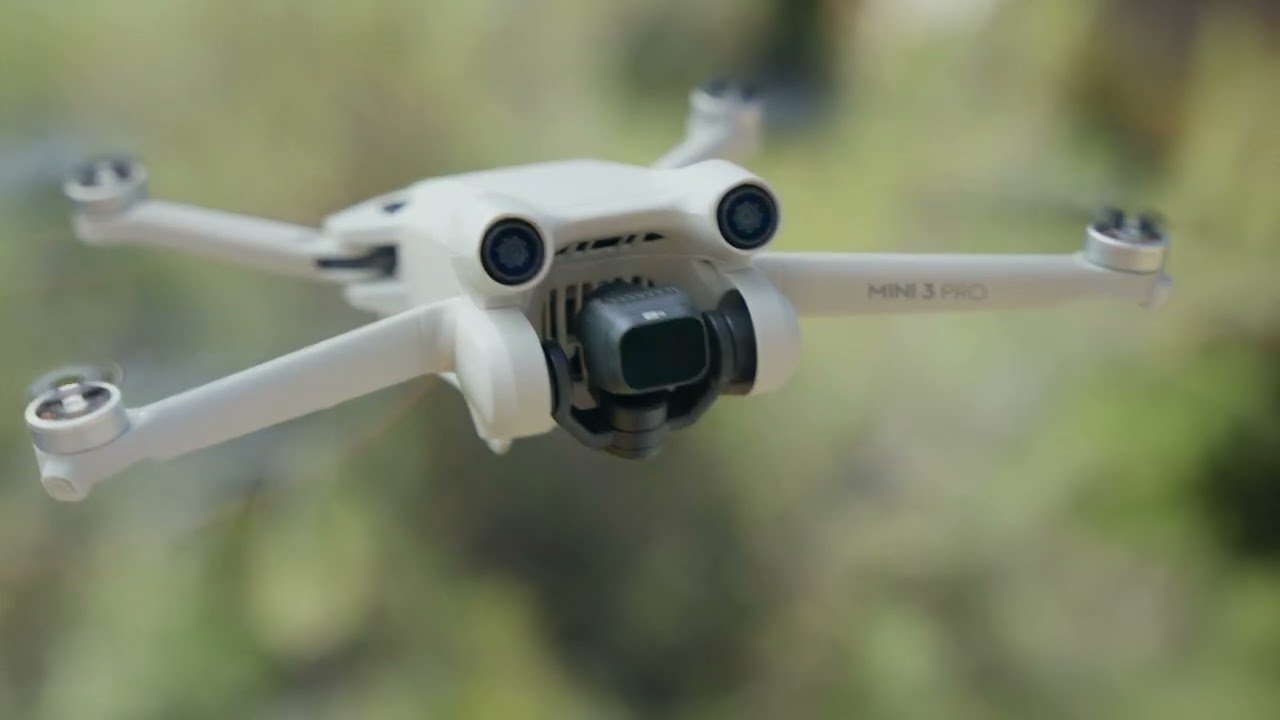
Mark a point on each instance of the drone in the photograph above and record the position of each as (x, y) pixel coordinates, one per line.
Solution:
(618, 302)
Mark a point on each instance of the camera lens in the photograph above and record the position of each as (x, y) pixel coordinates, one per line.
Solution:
(512, 252)
(663, 354)
(748, 217)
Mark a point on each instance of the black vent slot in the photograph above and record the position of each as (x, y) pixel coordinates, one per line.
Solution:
(560, 311)
(382, 259)
(610, 242)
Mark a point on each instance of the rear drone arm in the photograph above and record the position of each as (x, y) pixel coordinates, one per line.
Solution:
(1119, 262)
(725, 121)
(112, 207)
(83, 434)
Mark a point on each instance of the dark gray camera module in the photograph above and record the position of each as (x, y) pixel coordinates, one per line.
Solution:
(637, 340)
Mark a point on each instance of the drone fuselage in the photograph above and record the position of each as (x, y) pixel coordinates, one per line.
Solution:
(602, 222)
(615, 301)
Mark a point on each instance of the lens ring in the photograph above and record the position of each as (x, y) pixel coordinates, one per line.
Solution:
(512, 252)
(748, 217)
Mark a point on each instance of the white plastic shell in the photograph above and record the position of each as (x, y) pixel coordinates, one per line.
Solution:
(776, 328)
(503, 373)
(576, 205)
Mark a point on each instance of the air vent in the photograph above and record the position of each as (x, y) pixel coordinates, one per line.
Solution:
(560, 311)
(610, 242)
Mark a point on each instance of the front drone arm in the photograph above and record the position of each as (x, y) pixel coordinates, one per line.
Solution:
(1115, 264)
(112, 207)
(84, 435)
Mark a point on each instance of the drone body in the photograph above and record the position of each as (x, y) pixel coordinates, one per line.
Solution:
(616, 301)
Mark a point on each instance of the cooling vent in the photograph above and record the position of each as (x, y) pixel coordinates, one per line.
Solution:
(610, 242)
(560, 312)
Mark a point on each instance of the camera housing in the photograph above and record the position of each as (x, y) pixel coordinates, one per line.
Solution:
(638, 340)
(654, 363)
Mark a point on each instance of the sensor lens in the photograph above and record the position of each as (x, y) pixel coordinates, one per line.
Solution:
(664, 354)
(748, 217)
(512, 252)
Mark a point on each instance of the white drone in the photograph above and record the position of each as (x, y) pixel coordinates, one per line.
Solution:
(615, 301)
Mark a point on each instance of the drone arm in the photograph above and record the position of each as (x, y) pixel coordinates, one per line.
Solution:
(379, 355)
(699, 145)
(356, 363)
(112, 208)
(263, 244)
(832, 284)
(724, 122)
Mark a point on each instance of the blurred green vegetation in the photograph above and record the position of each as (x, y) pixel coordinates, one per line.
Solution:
(1054, 514)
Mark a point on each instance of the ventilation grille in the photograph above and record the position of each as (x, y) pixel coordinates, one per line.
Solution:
(560, 313)
(617, 241)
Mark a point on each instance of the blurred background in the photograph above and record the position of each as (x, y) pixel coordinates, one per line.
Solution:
(1052, 514)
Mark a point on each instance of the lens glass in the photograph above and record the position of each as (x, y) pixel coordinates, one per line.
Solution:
(748, 217)
(512, 252)
(664, 354)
